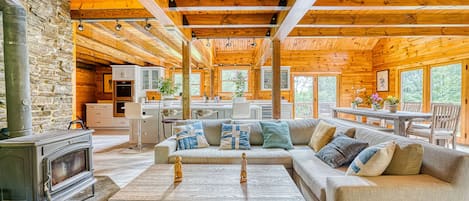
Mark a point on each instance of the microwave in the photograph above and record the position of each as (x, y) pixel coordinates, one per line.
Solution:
(124, 89)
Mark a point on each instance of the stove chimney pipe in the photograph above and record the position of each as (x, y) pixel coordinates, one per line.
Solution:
(17, 82)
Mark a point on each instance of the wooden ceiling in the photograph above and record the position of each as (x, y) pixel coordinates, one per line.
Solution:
(300, 25)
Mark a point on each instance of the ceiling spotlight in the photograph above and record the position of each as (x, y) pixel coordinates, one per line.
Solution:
(253, 44)
(80, 27)
(208, 43)
(228, 43)
(147, 25)
(118, 26)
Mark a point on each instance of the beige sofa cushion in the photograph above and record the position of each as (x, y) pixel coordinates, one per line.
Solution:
(407, 160)
(213, 155)
(323, 134)
(312, 170)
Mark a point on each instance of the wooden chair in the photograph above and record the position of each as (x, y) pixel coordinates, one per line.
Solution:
(241, 110)
(169, 116)
(444, 125)
(411, 107)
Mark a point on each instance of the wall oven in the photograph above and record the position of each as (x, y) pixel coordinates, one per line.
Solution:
(124, 89)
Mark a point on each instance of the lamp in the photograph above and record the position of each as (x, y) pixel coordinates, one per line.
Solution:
(147, 25)
(80, 27)
(118, 26)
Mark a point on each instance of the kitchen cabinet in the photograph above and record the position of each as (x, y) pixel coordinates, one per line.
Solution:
(150, 76)
(124, 72)
(99, 115)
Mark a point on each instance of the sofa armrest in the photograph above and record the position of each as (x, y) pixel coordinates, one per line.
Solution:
(163, 149)
(388, 188)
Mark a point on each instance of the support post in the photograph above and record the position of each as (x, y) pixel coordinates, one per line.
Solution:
(186, 73)
(276, 104)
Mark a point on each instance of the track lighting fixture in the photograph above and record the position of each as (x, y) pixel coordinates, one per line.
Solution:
(228, 43)
(118, 26)
(80, 27)
(253, 44)
(147, 25)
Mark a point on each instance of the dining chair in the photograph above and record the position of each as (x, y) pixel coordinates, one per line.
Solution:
(203, 114)
(445, 120)
(169, 116)
(241, 110)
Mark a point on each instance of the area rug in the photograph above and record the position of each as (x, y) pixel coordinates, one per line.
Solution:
(104, 189)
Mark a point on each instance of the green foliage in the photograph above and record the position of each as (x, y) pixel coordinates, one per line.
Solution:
(392, 100)
(240, 84)
(166, 87)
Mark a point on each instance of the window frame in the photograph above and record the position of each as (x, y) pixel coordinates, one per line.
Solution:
(201, 80)
(220, 78)
(269, 68)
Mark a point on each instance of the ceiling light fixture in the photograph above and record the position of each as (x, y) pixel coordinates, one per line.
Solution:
(147, 25)
(208, 43)
(228, 43)
(118, 26)
(253, 44)
(80, 27)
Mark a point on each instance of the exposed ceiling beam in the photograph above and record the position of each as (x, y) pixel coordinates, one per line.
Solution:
(387, 3)
(196, 9)
(263, 53)
(93, 59)
(380, 32)
(217, 3)
(84, 61)
(107, 49)
(110, 14)
(230, 21)
(384, 20)
(230, 33)
(170, 20)
(289, 19)
(93, 53)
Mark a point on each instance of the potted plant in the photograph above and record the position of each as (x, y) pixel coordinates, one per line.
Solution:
(375, 101)
(167, 88)
(392, 103)
(240, 86)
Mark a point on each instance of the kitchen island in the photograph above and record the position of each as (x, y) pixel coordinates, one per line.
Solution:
(152, 128)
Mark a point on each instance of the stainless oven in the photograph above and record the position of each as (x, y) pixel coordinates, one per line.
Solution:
(124, 89)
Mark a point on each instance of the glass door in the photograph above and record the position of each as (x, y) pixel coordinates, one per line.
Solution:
(327, 95)
(303, 96)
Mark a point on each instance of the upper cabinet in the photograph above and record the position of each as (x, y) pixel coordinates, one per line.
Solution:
(150, 76)
(266, 78)
(124, 72)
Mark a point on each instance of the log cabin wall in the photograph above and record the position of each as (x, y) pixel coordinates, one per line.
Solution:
(396, 54)
(354, 68)
(86, 89)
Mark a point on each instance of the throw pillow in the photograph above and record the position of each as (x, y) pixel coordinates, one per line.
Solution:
(190, 136)
(323, 134)
(235, 136)
(340, 151)
(276, 135)
(373, 160)
(407, 160)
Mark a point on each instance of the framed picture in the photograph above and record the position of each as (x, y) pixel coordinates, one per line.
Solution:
(382, 80)
(266, 78)
(107, 82)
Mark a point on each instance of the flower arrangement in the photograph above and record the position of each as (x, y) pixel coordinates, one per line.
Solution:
(375, 101)
(357, 100)
(392, 100)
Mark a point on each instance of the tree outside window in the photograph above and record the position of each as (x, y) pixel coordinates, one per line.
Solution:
(194, 86)
(229, 77)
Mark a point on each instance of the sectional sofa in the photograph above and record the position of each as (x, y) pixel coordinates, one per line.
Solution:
(444, 173)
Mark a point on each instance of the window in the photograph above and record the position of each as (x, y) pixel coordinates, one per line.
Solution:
(195, 83)
(266, 78)
(446, 84)
(412, 86)
(327, 95)
(228, 78)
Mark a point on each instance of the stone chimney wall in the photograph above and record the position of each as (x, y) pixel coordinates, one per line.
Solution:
(50, 46)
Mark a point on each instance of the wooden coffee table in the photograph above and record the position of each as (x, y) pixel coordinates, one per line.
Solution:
(211, 182)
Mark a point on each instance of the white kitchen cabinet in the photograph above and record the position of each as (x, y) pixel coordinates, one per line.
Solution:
(99, 115)
(124, 72)
(149, 77)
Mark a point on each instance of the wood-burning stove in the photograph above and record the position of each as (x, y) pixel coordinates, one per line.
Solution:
(52, 166)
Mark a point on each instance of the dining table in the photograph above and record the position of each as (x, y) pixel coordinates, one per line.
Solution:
(399, 118)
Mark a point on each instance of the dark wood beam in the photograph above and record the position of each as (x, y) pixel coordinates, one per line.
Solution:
(230, 33)
(110, 14)
(384, 20)
(276, 91)
(93, 59)
(379, 32)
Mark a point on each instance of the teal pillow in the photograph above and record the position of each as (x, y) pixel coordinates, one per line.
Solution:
(276, 135)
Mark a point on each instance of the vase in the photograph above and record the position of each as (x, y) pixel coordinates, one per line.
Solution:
(392, 108)
(375, 107)
(354, 106)
(239, 99)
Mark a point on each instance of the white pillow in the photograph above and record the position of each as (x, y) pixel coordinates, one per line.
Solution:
(373, 160)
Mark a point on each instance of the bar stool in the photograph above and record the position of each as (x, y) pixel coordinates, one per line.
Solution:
(133, 111)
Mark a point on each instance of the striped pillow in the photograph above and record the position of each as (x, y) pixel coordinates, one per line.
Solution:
(373, 160)
(190, 136)
(235, 136)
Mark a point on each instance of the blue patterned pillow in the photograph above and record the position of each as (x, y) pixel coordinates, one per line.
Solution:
(373, 160)
(235, 136)
(340, 151)
(190, 136)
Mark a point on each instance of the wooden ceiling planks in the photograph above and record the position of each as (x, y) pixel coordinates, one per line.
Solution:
(398, 3)
(361, 43)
